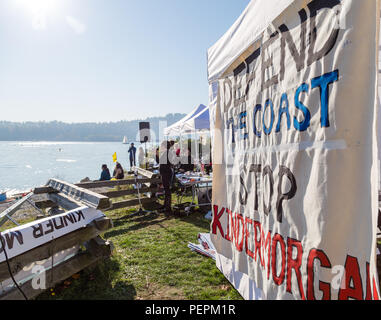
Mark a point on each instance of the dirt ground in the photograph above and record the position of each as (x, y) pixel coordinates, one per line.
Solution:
(26, 211)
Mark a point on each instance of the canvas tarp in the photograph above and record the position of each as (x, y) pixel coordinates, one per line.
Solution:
(293, 107)
(200, 122)
(175, 129)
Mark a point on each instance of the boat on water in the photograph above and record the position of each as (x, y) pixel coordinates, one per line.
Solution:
(125, 140)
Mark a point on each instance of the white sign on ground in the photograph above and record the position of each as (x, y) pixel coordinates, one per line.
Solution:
(31, 235)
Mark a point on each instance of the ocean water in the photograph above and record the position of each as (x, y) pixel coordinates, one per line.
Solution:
(25, 165)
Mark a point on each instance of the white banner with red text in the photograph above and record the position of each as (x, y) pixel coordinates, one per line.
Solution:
(295, 173)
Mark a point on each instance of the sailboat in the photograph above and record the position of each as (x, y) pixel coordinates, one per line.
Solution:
(125, 140)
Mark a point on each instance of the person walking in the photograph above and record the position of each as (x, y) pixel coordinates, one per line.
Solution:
(132, 152)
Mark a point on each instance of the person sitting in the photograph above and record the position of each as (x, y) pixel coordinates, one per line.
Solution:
(105, 174)
(118, 172)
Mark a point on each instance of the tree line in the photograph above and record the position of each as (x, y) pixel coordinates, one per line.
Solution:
(61, 131)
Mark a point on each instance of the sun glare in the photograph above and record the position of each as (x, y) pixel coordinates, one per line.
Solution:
(39, 6)
(40, 10)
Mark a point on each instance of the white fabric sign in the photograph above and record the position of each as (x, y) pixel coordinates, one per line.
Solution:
(31, 235)
(295, 188)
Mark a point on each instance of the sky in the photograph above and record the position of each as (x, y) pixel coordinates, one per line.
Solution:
(107, 60)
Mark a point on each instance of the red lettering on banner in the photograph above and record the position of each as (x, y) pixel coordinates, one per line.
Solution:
(290, 256)
(294, 264)
(369, 286)
(216, 220)
(352, 274)
(258, 243)
(323, 286)
(375, 293)
(368, 295)
(232, 225)
(267, 243)
(227, 235)
(278, 239)
(250, 253)
(239, 221)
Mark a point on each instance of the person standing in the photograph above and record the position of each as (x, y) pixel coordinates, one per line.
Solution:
(132, 152)
(187, 163)
(157, 155)
(166, 173)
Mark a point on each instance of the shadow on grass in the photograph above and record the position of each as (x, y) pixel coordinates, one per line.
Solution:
(140, 222)
(152, 217)
(94, 283)
(197, 219)
(135, 217)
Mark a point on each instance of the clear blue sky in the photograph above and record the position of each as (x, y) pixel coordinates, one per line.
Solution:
(107, 60)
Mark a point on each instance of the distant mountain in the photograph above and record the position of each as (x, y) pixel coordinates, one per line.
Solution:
(60, 131)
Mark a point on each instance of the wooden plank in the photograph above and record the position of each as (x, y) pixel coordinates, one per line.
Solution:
(87, 197)
(130, 203)
(57, 275)
(46, 250)
(99, 247)
(145, 172)
(148, 174)
(121, 193)
(114, 183)
(154, 178)
(44, 189)
(64, 201)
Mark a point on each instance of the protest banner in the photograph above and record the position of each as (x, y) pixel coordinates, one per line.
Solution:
(293, 104)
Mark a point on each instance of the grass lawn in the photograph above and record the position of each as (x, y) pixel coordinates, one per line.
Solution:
(151, 260)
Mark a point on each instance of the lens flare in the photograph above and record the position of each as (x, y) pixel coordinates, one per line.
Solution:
(39, 6)
(40, 10)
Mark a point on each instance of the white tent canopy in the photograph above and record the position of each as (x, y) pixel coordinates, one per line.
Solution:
(245, 31)
(176, 128)
(197, 123)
